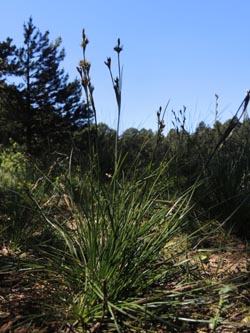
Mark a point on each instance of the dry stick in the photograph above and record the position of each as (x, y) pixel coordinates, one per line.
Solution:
(71, 327)
(231, 126)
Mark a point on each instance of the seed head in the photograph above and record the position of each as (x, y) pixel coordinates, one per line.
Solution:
(79, 69)
(108, 62)
(85, 40)
(116, 82)
(83, 34)
(84, 43)
(85, 82)
(85, 65)
(118, 47)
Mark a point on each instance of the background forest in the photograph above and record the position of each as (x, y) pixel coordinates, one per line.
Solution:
(83, 202)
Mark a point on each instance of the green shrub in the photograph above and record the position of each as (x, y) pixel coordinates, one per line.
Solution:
(13, 167)
(16, 214)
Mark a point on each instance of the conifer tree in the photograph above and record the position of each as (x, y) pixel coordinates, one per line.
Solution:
(49, 106)
(7, 59)
(10, 97)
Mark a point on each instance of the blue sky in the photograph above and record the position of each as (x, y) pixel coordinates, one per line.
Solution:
(185, 51)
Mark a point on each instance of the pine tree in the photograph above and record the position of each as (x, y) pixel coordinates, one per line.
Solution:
(50, 101)
(7, 58)
(48, 105)
(10, 98)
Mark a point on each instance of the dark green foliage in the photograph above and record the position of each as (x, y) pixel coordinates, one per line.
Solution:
(42, 108)
(8, 63)
(106, 144)
(11, 114)
(138, 147)
(224, 194)
(11, 101)
(46, 91)
(228, 181)
(15, 213)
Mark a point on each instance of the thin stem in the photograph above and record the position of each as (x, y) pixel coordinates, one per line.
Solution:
(119, 87)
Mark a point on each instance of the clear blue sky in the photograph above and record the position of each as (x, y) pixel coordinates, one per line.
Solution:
(182, 50)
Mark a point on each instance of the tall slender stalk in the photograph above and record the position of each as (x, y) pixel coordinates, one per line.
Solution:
(117, 86)
(84, 71)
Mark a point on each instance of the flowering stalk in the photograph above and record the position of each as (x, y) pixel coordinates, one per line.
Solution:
(117, 85)
(84, 70)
